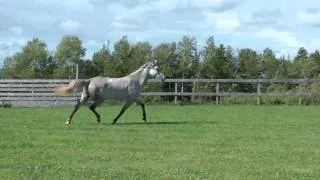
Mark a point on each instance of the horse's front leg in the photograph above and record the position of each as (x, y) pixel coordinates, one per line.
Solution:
(124, 108)
(141, 104)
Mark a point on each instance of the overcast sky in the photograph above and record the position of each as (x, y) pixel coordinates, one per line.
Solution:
(283, 25)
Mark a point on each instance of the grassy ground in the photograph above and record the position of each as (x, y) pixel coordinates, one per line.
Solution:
(179, 142)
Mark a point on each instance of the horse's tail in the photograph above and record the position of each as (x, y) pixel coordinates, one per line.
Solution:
(73, 85)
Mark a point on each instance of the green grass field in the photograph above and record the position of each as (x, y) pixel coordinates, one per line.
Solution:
(178, 142)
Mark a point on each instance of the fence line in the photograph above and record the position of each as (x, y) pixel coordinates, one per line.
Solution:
(40, 92)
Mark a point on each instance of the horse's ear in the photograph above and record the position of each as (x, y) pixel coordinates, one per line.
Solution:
(155, 62)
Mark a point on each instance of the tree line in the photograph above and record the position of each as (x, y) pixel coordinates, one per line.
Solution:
(181, 59)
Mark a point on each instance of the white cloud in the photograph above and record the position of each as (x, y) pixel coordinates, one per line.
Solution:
(165, 6)
(311, 18)
(228, 24)
(160, 33)
(16, 30)
(284, 38)
(126, 18)
(216, 5)
(117, 10)
(170, 31)
(75, 5)
(91, 44)
(128, 23)
(212, 5)
(264, 17)
(69, 25)
(152, 12)
(13, 42)
(119, 24)
(314, 44)
(287, 42)
(160, 21)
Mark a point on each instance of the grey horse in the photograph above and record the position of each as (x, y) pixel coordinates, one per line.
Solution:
(99, 88)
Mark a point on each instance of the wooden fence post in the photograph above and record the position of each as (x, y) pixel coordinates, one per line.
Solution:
(300, 90)
(258, 93)
(32, 92)
(193, 90)
(217, 92)
(175, 91)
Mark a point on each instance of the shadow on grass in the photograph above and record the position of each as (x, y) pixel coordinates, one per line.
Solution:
(163, 123)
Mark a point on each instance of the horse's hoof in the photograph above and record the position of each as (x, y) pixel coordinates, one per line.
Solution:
(114, 121)
(67, 122)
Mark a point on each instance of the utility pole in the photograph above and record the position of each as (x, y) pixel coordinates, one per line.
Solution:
(77, 71)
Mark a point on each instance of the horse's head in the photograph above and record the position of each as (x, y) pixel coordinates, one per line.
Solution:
(155, 72)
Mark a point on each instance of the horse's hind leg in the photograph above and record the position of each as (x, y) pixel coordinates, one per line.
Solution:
(141, 104)
(124, 108)
(76, 107)
(83, 100)
(93, 109)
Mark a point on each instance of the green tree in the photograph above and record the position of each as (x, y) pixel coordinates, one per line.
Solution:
(140, 53)
(166, 54)
(270, 63)
(223, 65)
(87, 69)
(217, 62)
(100, 59)
(283, 68)
(32, 62)
(46, 68)
(121, 57)
(230, 62)
(298, 68)
(9, 67)
(248, 67)
(248, 62)
(314, 66)
(302, 54)
(68, 53)
(208, 69)
(188, 57)
(310, 69)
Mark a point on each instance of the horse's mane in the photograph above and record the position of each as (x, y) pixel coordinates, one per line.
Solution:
(145, 65)
(140, 68)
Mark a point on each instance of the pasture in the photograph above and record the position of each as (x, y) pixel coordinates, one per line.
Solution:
(178, 142)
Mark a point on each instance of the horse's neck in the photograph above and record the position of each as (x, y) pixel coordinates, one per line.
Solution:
(141, 75)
